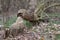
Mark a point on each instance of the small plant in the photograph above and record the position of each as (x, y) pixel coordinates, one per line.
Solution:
(41, 7)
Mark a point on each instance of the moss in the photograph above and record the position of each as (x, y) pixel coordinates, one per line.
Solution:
(28, 24)
(10, 22)
(57, 37)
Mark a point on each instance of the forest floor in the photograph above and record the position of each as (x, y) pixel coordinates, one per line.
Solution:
(41, 32)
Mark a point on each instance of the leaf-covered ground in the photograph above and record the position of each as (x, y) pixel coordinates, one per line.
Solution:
(38, 32)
